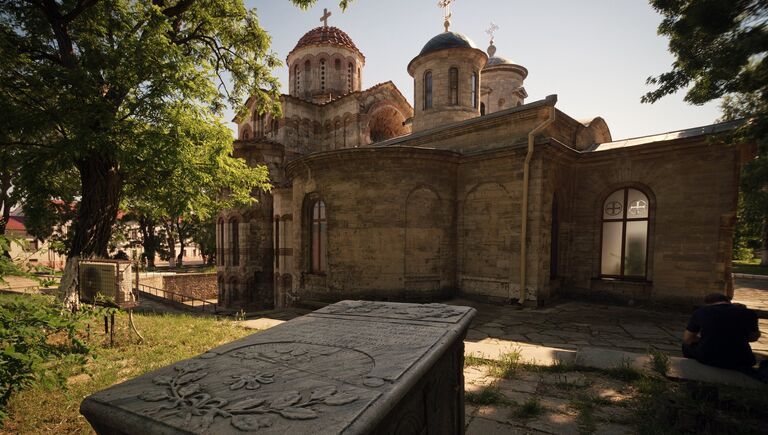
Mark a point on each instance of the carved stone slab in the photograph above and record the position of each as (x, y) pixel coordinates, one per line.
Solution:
(343, 369)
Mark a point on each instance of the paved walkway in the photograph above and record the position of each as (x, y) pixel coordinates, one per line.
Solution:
(571, 325)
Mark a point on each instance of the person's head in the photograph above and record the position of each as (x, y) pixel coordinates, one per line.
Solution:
(716, 298)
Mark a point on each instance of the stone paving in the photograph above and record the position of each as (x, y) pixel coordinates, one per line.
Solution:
(571, 325)
(558, 396)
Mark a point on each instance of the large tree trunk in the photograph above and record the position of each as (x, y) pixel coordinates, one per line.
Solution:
(101, 187)
(764, 247)
(170, 239)
(149, 240)
(182, 245)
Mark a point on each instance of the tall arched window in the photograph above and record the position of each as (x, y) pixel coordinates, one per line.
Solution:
(624, 250)
(307, 76)
(453, 75)
(428, 90)
(349, 77)
(234, 241)
(322, 75)
(220, 250)
(318, 238)
(296, 79)
(474, 89)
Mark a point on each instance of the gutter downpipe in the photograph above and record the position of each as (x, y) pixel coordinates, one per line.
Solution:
(551, 100)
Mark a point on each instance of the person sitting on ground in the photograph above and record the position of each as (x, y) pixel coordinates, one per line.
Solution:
(719, 333)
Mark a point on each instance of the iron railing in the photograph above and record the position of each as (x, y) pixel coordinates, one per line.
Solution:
(179, 299)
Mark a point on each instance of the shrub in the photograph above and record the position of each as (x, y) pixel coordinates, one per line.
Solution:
(33, 332)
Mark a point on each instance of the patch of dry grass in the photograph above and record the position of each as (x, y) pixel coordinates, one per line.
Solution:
(169, 338)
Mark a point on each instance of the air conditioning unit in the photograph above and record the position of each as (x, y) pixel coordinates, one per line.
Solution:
(107, 282)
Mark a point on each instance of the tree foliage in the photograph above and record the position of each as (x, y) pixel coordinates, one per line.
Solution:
(721, 51)
(104, 96)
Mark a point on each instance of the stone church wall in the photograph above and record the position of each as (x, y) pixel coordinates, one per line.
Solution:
(693, 198)
(490, 207)
(391, 225)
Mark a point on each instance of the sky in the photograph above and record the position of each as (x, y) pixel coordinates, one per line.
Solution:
(594, 54)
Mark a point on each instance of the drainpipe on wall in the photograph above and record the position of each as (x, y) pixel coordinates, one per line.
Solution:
(551, 101)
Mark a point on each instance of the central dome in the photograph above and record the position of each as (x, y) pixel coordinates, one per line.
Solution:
(326, 36)
(447, 40)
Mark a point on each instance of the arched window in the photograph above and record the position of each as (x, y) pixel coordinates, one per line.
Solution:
(307, 76)
(624, 250)
(474, 89)
(428, 90)
(482, 109)
(453, 75)
(322, 75)
(220, 238)
(318, 238)
(349, 77)
(234, 241)
(337, 64)
(296, 79)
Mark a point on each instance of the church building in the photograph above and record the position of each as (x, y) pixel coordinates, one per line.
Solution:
(472, 191)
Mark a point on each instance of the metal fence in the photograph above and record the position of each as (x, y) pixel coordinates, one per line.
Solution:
(179, 299)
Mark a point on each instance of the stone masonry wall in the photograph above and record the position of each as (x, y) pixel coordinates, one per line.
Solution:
(693, 201)
(467, 61)
(391, 224)
(196, 285)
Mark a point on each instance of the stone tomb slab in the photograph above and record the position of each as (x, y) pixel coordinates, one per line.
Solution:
(351, 367)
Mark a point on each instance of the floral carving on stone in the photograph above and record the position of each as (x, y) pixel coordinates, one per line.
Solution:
(293, 353)
(184, 396)
(406, 311)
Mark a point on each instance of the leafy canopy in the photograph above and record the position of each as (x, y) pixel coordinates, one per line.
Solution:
(721, 51)
(100, 96)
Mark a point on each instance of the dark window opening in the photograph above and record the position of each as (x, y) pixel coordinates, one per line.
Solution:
(234, 232)
(318, 238)
(428, 90)
(453, 74)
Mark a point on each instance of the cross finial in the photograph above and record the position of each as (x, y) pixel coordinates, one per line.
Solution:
(325, 16)
(446, 6)
(491, 31)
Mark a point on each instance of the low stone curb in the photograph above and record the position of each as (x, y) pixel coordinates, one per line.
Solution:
(601, 358)
(750, 276)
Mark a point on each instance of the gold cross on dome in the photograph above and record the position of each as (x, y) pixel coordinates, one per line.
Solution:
(446, 6)
(325, 16)
(491, 31)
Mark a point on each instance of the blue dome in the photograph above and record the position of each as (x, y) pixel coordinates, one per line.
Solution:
(497, 60)
(447, 40)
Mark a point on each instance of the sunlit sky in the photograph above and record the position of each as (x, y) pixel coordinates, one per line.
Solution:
(594, 54)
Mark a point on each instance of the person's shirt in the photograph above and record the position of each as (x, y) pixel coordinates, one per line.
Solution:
(725, 330)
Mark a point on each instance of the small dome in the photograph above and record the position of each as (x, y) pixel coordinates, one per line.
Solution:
(326, 36)
(447, 40)
(496, 60)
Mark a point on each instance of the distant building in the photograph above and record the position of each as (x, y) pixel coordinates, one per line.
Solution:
(27, 249)
(471, 191)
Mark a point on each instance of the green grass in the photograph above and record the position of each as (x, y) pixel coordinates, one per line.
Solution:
(507, 365)
(46, 408)
(659, 362)
(528, 409)
(624, 372)
(473, 361)
(585, 408)
(487, 396)
(751, 267)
